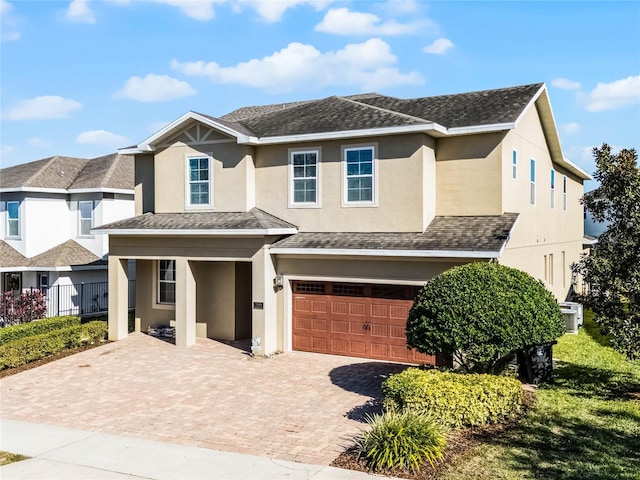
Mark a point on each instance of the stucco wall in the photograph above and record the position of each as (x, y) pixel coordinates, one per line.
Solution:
(469, 175)
(404, 182)
(541, 230)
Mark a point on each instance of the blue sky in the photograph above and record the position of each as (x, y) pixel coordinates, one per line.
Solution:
(85, 77)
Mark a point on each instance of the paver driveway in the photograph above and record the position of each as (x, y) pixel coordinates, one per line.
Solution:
(295, 406)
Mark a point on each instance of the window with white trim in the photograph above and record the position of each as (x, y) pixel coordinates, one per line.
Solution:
(553, 188)
(532, 180)
(13, 220)
(564, 193)
(199, 181)
(359, 174)
(514, 165)
(167, 281)
(85, 224)
(304, 177)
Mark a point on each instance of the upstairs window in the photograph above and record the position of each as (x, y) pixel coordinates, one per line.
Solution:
(199, 181)
(564, 193)
(86, 218)
(13, 219)
(514, 165)
(532, 179)
(167, 281)
(304, 177)
(553, 188)
(359, 175)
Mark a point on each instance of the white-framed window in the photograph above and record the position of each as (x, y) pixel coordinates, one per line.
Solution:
(167, 281)
(564, 193)
(13, 220)
(514, 165)
(198, 184)
(359, 175)
(551, 269)
(43, 282)
(85, 223)
(304, 178)
(553, 188)
(532, 180)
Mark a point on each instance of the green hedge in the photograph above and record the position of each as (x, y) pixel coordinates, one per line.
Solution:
(37, 327)
(29, 349)
(454, 399)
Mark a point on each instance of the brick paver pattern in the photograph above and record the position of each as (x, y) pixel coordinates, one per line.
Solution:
(295, 406)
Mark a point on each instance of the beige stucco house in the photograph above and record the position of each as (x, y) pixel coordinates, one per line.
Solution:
(310, 225)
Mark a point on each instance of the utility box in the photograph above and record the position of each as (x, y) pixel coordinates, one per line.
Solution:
(535, 363)
(570, 320)
(574, 306)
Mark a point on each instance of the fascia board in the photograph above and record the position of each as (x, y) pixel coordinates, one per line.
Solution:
(385, 253)
(101, 190)
(186, 233)
(33, 189)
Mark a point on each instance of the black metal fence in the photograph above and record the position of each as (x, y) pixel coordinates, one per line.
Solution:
(84, 299)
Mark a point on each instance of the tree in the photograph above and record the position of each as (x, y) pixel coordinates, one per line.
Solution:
(481, 313)
(612, 270)
(22, 308)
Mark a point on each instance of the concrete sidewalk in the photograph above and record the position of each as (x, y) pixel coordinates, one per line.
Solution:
(62, 453)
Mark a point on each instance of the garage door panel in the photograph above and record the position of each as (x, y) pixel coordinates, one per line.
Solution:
(357, 309)
(354, 321)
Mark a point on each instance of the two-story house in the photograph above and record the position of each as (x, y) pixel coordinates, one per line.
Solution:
(47, 210)
(310, 225)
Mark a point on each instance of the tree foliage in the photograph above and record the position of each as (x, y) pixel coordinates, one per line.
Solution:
(22, 308)
(612, 270)
(481, 313)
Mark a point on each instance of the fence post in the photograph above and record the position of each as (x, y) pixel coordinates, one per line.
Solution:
(81, 298)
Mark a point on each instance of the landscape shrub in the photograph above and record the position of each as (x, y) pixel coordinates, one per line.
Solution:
(480, 314)
(25, 307)
(404, 439)
(15, 332)
(453, 399)
(28, 349)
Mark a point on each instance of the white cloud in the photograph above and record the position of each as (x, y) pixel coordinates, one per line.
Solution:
(272, 11)
(102, 137)
(369, 65)
(38, 142)
(4, 149)
(399, 7)
(342, 21)
(439, 46)
(44, 107)
(197, 9)
(609, 96)
(9, 34)
(80, 12)
(155, 88)
(565, 84)
(571, 127)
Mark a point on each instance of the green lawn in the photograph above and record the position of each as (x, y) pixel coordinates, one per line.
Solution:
(584, 426)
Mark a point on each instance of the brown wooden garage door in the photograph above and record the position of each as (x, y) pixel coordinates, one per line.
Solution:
(356, 320)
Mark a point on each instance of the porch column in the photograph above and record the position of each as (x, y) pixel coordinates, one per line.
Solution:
(185, 303)
(265, 309)
(118, 298)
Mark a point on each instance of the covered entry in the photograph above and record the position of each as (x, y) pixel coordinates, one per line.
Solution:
(353, 319)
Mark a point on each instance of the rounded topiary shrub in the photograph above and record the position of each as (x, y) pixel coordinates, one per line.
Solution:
(454, 399)
(406, 439)
(481, 313)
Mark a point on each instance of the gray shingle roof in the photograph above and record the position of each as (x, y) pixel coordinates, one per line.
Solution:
(372, 110)
(9, 257)
(464, 233)
(69, 253)
(255, 219)
(109, 171)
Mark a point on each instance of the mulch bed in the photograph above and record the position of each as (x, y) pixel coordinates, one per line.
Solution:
(12, 371)
(460, 444)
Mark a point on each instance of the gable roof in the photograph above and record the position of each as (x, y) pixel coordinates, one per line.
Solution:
(253, 222)
(446, 236)
(372, 114)
(69, 253)
(9, 257)
(67, 174)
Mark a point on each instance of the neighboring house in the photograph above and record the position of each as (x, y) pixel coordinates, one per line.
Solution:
(47, 210)
(310, 225)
